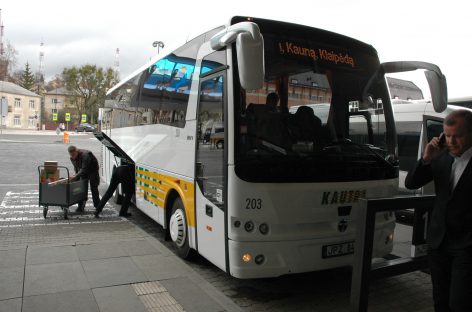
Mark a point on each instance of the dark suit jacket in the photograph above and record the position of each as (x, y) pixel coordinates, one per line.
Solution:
(451, 219)
(124, 174)
(86, 166)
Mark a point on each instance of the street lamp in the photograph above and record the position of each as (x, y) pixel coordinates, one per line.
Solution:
(158, 45)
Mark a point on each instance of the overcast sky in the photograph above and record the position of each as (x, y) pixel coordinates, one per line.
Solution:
(86, 31)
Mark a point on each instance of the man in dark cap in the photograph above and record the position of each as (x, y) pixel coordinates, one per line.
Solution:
(85, 167)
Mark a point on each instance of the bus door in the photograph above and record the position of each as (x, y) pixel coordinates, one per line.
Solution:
(432, 127)
(210, 170)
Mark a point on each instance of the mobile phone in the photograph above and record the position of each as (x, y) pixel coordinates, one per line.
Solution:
(442, 139)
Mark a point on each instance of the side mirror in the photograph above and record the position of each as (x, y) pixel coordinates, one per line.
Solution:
(438, 86)
(436, 80)
(250, 55)
(249, 51)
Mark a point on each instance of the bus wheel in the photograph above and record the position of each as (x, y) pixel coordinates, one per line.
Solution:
(179, 230)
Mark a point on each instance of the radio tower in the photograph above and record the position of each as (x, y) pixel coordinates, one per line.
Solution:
(116, 65)
(41, 61)
(2, 51)
(3, 61)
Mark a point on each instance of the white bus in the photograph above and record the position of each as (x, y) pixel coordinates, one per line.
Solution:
(417, 123)
(462, 101)
(278, 195)
(410, 122)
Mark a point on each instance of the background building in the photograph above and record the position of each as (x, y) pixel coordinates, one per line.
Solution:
(404, 89)
(60, 101)
(24, 106)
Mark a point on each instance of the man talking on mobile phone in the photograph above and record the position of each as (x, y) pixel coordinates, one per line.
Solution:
(448, 163)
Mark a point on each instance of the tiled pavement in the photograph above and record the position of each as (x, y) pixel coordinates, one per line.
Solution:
(111, 264)
(87, 264)
(99, 277)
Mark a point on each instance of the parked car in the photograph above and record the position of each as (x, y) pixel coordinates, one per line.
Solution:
(85, 127)
(211, 130)
(217, 140)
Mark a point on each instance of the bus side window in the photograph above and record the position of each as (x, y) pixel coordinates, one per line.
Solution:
(125, 101)
(165, 92)
(213, 61)
(210, 157)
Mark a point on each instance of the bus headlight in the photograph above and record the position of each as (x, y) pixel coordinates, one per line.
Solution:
(246, 258)
(264, 228)
(249, 226)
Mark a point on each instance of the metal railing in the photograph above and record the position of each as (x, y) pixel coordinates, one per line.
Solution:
(363, 270)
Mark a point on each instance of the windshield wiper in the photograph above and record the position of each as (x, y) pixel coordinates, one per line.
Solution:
(367, 148)
(274, 147)
(269, 146)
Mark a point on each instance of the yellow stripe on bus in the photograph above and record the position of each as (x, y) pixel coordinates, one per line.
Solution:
(156, 185)
(158, 201)
(185, 189)
(150, 199)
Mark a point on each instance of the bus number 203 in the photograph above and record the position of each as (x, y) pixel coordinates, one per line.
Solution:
(253, 203)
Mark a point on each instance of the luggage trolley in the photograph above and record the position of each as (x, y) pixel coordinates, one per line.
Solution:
(63, 195)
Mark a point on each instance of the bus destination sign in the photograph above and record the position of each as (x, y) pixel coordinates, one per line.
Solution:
(327, 55)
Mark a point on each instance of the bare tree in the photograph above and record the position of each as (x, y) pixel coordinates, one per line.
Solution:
(8, 61)
(55, 83)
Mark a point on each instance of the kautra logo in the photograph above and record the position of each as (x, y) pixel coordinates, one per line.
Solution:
(342, 197)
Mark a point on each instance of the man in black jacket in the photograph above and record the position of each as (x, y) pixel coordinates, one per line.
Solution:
(123, 174)
(85, 167)
(448, 163)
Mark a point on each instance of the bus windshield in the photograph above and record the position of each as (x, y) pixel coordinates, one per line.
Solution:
(313, 121)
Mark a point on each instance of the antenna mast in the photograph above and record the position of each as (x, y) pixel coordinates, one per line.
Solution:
(41, 60)
(116, 65)
(2, 51)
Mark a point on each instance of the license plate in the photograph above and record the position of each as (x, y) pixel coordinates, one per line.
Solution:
(337, 250)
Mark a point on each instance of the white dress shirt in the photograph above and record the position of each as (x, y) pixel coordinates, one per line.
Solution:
(458, 166)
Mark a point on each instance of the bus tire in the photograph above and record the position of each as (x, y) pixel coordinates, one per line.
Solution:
(178, 229)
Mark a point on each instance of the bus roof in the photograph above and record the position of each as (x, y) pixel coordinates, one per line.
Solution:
(267, 25)
(156, 58)
(460, 99)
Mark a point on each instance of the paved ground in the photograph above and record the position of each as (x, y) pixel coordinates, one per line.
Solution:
(85, 264)
(117, 264)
